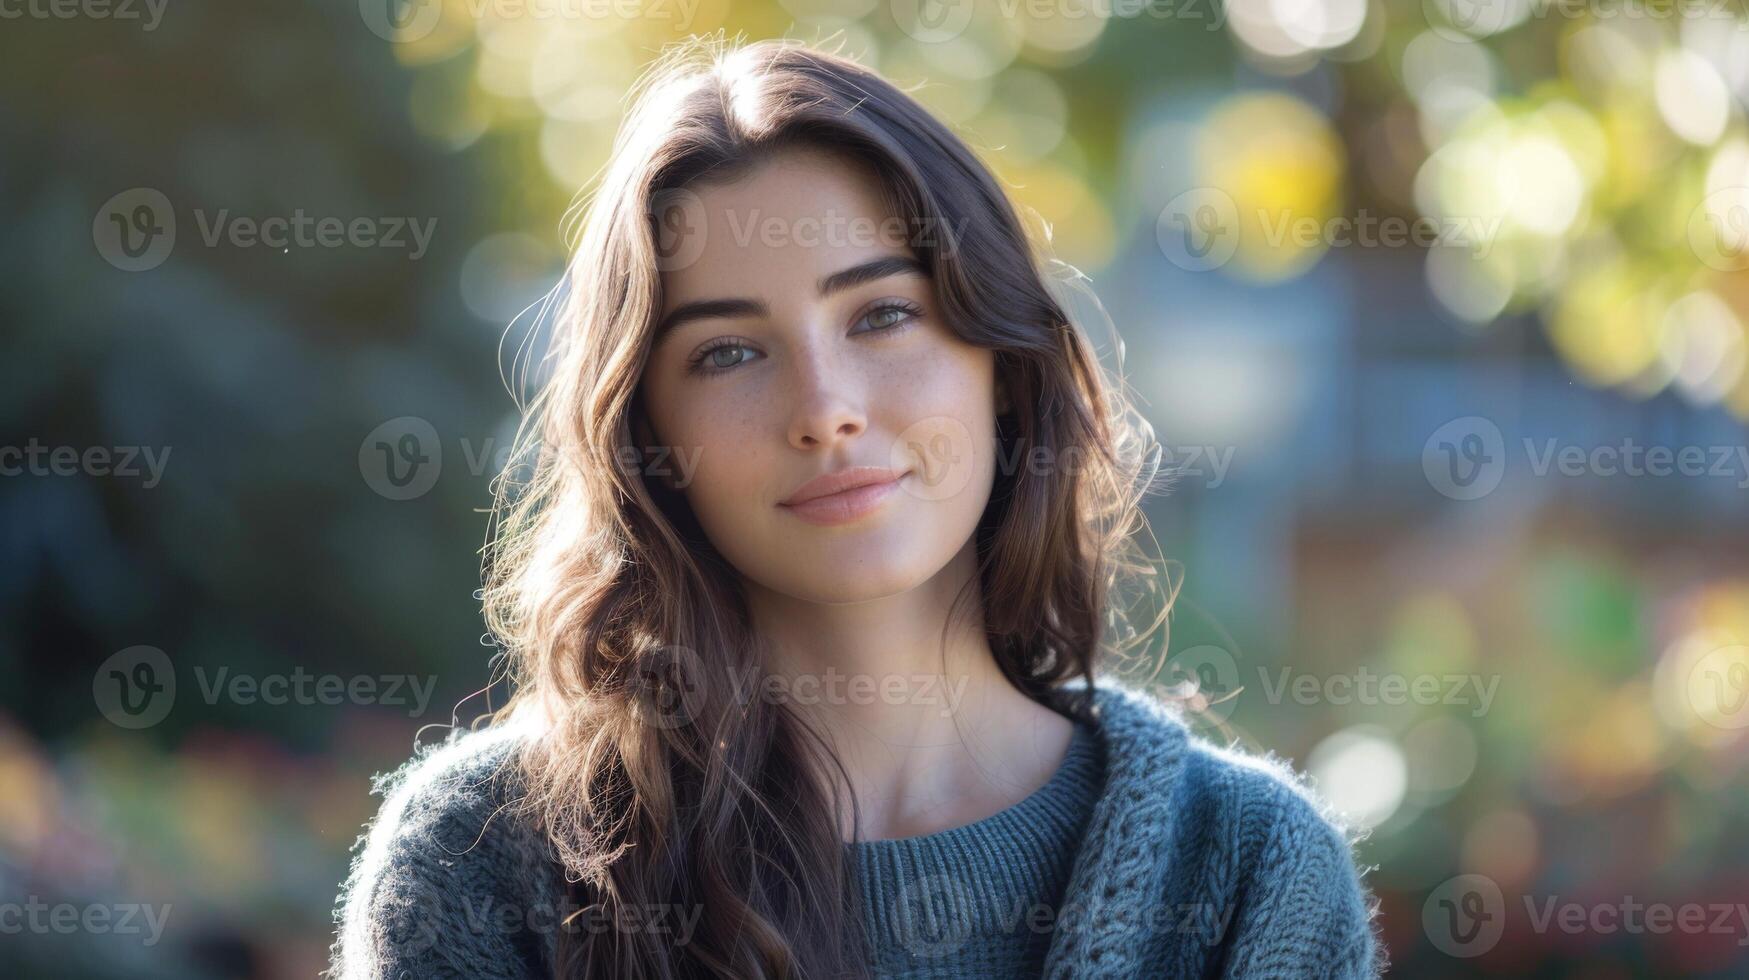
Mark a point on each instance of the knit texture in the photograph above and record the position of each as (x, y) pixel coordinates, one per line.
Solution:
(977, 900)
(1196, 861)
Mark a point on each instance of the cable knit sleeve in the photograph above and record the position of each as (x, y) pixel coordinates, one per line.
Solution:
(444, 884)
(1305, 911)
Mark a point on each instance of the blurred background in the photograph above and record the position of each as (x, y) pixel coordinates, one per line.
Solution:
(1439, 309)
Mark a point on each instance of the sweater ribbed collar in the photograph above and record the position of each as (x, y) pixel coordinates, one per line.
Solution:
(969, 895)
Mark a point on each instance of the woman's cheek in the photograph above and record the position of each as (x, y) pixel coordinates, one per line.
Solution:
(949, 427)
(730, 476)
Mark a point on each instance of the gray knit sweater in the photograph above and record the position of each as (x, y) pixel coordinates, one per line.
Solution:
(1198, 861)
(980, 900)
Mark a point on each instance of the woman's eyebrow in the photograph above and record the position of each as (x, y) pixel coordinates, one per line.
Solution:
(856, 275)
(881, 268)
(706, 309)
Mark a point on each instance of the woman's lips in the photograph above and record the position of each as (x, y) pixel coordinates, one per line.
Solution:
(845, 506)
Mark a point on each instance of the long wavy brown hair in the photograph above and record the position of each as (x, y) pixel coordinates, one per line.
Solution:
(656, 780)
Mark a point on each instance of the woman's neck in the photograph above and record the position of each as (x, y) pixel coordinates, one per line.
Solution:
(930, 739)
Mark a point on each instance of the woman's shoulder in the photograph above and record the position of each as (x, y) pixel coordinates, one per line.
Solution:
(1245, 833)
(1260, 790)
(446, 858)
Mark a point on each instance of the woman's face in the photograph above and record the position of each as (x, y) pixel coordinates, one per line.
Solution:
(799, 337)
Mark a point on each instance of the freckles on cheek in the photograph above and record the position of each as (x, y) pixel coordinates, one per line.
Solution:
(730, 453)
(948, 385)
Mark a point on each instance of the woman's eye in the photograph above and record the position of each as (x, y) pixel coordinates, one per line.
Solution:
(722, 357)
(889, 315)
(718, 360)
(732, 352)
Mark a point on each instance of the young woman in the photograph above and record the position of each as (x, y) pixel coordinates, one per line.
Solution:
(804, 580)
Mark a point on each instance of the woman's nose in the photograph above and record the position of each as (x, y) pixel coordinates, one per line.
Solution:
(827, 406)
